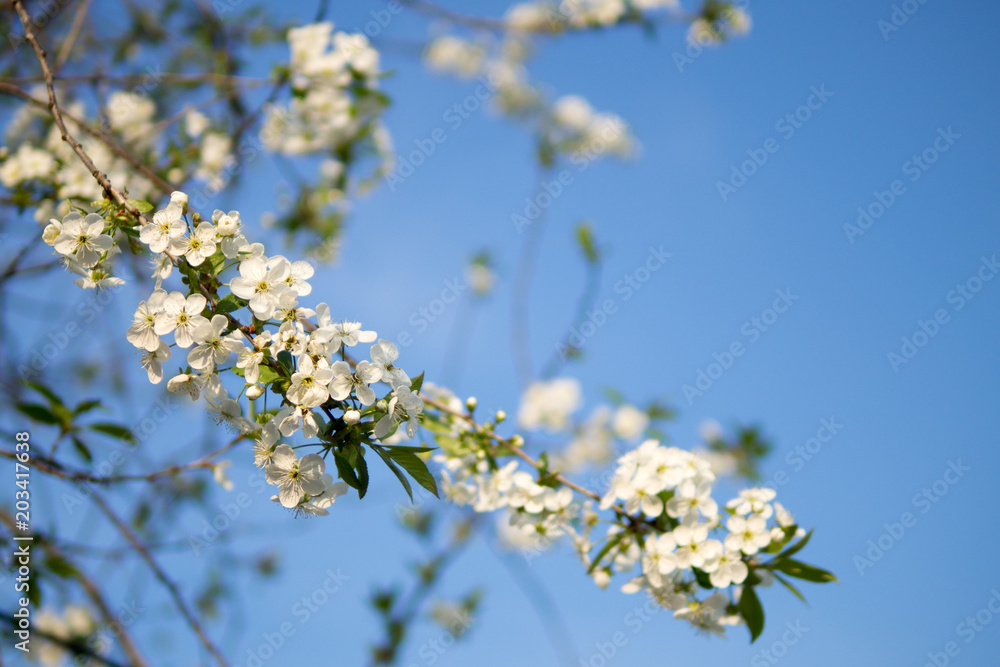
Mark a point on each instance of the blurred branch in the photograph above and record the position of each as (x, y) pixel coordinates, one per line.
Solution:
(162, 577)
(520, 339)
(92, 591)
(56, 469)
(77, 648)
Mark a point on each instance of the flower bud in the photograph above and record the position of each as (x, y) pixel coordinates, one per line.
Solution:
(471, 403)
(254, 391)
(179, 199)
(517, 441)
(501, 415)
(227, 225)
(352, 416)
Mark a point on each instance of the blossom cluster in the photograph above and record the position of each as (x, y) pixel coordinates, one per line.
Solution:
(75, 625)
(335, 102)
(298, 352)
(37, 164)
(567, 125)
(659, 507)
(544, 16)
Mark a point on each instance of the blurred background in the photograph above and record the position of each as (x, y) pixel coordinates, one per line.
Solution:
(913, 102)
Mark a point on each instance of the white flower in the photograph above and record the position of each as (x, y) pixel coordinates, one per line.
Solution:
(692, 498)
(295, 477)
(82, 238)
(706, 616)
(98, 280)
(227, 412)
(573, 111)
(658, 558)
(260, 282)
(185, 383)
(783, 516)
(292, 419)
(153, 361)
(318, 505)
(347, 333)
(665, 593)
(694, 549)
(195, 123)
(403, 405)
(263, 450)
(52, 231)
(345, 380)
(455, 56)
(748, 535)
(754, 501)
(165, 225)
(142, 331)
(383, 354)
(299, 273)
(162, 267)
(309, 383)
(229, 230)
(727, 568)
(182, 316)
(220, 476)
(214, 347)
(549, 404)
(197, 247)
(629, 422)
(251, 358)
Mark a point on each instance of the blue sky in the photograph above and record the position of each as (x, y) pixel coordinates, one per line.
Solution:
(901, 429)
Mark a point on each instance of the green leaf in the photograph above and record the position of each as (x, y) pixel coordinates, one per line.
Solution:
(38, 412)
(362, 467)
(787, 584)
(752, 612)
(346, 472)
(799, 570)
(46, 392)
(82, 449)
(229, 304)
(140, 205)
(585, 237)
(614, 396)
(410, 448)
(60, 567)
(608, 546)
(417, 383)
(86, 406)
(702, 578)
(399, 473)
(34, 592)
(267, 375)
(217, 261)
(114, 430)
(797, 547)
(285, 359)
(416, 467)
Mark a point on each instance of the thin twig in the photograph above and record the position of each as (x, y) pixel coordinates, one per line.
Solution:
(138, 165)
(520, 339)
(162, 577)
(92, 591)
(77, 648)
(74, 33)
(57, 469)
